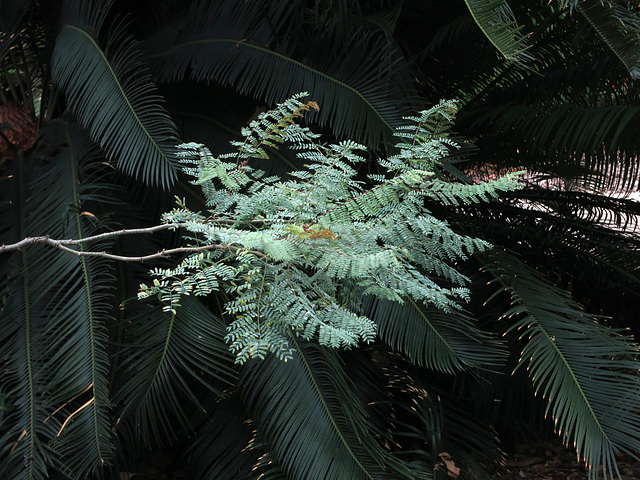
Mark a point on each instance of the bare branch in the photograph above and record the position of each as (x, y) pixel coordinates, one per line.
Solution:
(63, 244)
(160, 254)
(59, 243)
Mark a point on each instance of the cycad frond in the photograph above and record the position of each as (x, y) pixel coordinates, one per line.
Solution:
(114, 97)
(359, 84)
(225, 445)
(569, 233)
(312, 422)
(496, 20)
(58, 331)
(179, 352)
(585, 371)
(597, 141)
(24, 434)
(447, 342)
(618, 27)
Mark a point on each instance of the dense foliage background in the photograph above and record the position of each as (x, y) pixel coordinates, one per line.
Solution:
(97, 94)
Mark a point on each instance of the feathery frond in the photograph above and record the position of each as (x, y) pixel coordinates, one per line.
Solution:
(287, 250)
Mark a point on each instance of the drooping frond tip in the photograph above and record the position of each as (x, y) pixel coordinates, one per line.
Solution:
(496, 20)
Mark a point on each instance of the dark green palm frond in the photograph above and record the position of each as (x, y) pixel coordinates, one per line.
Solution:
(225, 445)
(402, 414)
(359, 83)
(496, 20)
(176, 354)
(443, 341)
(576, 235)
(618, 27)
(612, 212)
(569, 128)
(311, 421)
(80, 305)
(420, 415)
(25, 437)
(597, 139)
(587, 373)
(468, 436)
(598, 215)
(59, 329)
(456, 30)
(114, 97)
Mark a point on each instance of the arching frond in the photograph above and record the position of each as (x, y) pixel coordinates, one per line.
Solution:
(495, 18)
(179, 353)
(618, 27)
(23, 432)
(310, 419)
(55, 341)
(359, 84)
(225, 444)
(114, 97)
(568, 233)
(585, 371)
(596, 140)
(447, 342)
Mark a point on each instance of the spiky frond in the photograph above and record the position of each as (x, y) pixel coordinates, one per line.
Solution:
(56, 361)
(112, 96)
(225, 444)
(179, 352)
(312, 422)
(576, 364)
(618, 27)
(360, 83)
(496, 20)
(447, 342)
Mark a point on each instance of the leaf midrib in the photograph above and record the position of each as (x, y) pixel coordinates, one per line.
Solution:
(123, 94)
(27, 317)
(326, 407)
(87, 285)
(245, 44)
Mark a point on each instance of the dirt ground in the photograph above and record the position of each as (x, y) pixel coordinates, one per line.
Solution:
(554, 462)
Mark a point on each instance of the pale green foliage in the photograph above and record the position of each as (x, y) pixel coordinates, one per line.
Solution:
(298, 255)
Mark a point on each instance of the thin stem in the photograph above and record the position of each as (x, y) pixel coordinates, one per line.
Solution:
(60, 243)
